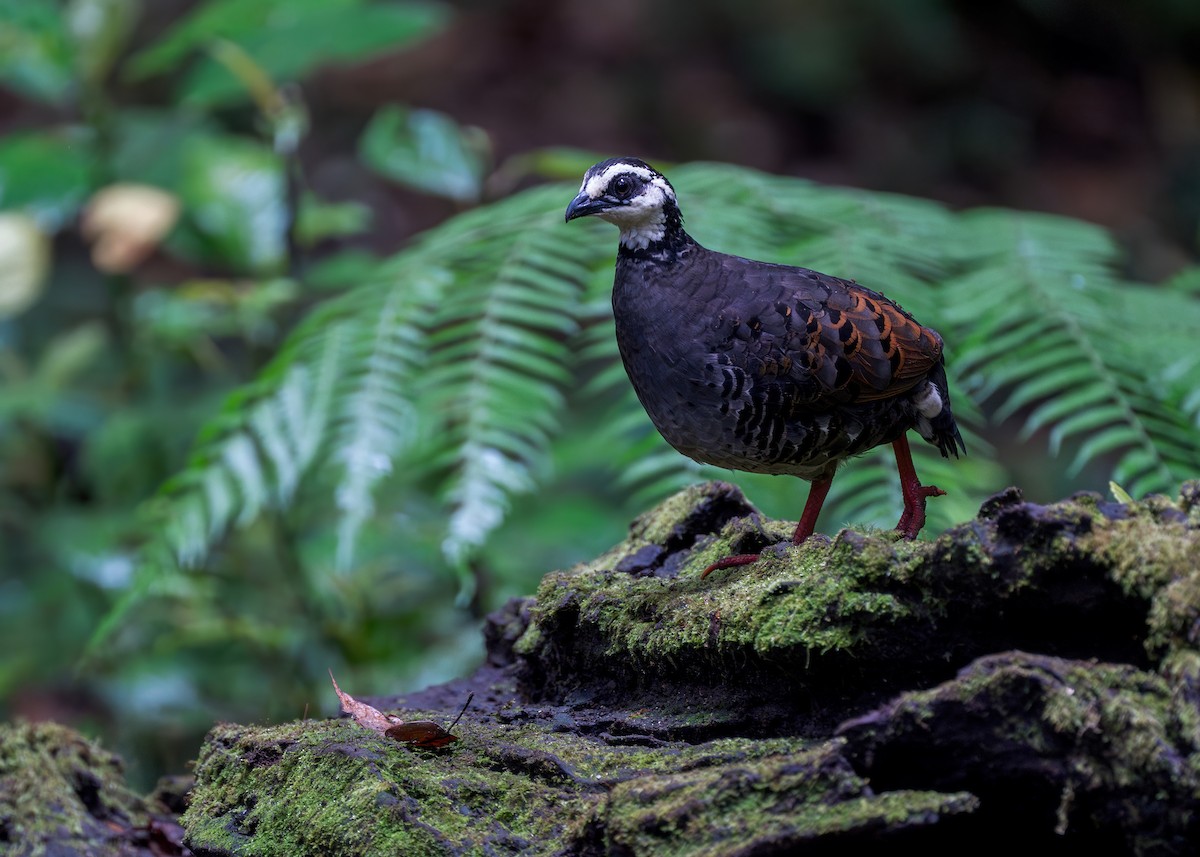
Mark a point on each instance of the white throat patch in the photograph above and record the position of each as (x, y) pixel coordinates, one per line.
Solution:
(641, 220)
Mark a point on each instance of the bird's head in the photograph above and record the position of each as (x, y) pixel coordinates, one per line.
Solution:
(632, 195)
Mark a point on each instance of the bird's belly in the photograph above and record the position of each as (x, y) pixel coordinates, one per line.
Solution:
(707, 425)
(759, 431)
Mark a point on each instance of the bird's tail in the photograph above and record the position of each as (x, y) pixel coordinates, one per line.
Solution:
(947, 437)
(937, 425)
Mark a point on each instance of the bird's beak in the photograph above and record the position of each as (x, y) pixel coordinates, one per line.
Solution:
(583, 205)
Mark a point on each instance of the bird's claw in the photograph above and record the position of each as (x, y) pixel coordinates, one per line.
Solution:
(913, 517)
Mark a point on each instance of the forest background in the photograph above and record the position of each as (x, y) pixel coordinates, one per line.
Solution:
(256, 422)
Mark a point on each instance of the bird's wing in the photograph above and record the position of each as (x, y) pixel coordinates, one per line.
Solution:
(829, 340)
(888, 351)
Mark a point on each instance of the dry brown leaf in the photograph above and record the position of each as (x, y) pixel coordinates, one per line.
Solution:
(421, 733)
(365, 715)
(417, 733)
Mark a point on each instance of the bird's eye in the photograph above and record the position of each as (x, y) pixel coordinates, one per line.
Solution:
(622, 187)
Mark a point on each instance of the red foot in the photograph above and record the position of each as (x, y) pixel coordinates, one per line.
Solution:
(804, 529)
(913, 518)
(915, 494)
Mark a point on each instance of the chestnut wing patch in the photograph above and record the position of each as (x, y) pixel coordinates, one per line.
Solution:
(887, 350)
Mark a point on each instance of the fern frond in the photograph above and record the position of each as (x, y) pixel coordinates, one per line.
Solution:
(253, 455)
(377, 418)
(499, 364)
(1038, 333)
(1186, 282)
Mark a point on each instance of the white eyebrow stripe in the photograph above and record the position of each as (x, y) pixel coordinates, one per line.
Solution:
(597, 184)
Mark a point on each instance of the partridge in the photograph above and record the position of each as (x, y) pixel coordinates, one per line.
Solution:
(760, 367)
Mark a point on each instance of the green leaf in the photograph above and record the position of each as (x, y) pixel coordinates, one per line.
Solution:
(1056, 381)
(289, 39)
(1088, 419)
(70, 354)
(178, 317)
(35, 51)
(1084, 401)
(48, 175)
(1036, 365)
(427, 151)
(318, 220)
(378, 418)
(209, 21)
(1119, 493)
(343, 269)
(100, 30)
(1185, 282)
(149, 145)
(1111, 438)
(235, 204)
(1136, 464)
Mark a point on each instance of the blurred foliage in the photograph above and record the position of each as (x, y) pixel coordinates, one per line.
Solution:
(429, 151)
(286, 38)
(244, 438)
(196, 223)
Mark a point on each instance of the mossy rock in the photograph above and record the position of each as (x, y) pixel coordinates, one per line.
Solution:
(1028, 679)
(62, 795)
(333, 788)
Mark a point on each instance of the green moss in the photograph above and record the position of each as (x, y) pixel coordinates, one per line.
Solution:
(856, 595)
(333, 788)
(1115, 730)
(326, 781)
(1146, 555)
(662, 522)
(783, 800)
(815, 597)
(58, 787)
(1135, 716)
(795, 601)
(529, 641)
(1153, 554)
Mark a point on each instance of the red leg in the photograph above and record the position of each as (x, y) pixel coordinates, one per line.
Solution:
(804, 529)
(812, 509)
(914, 492)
